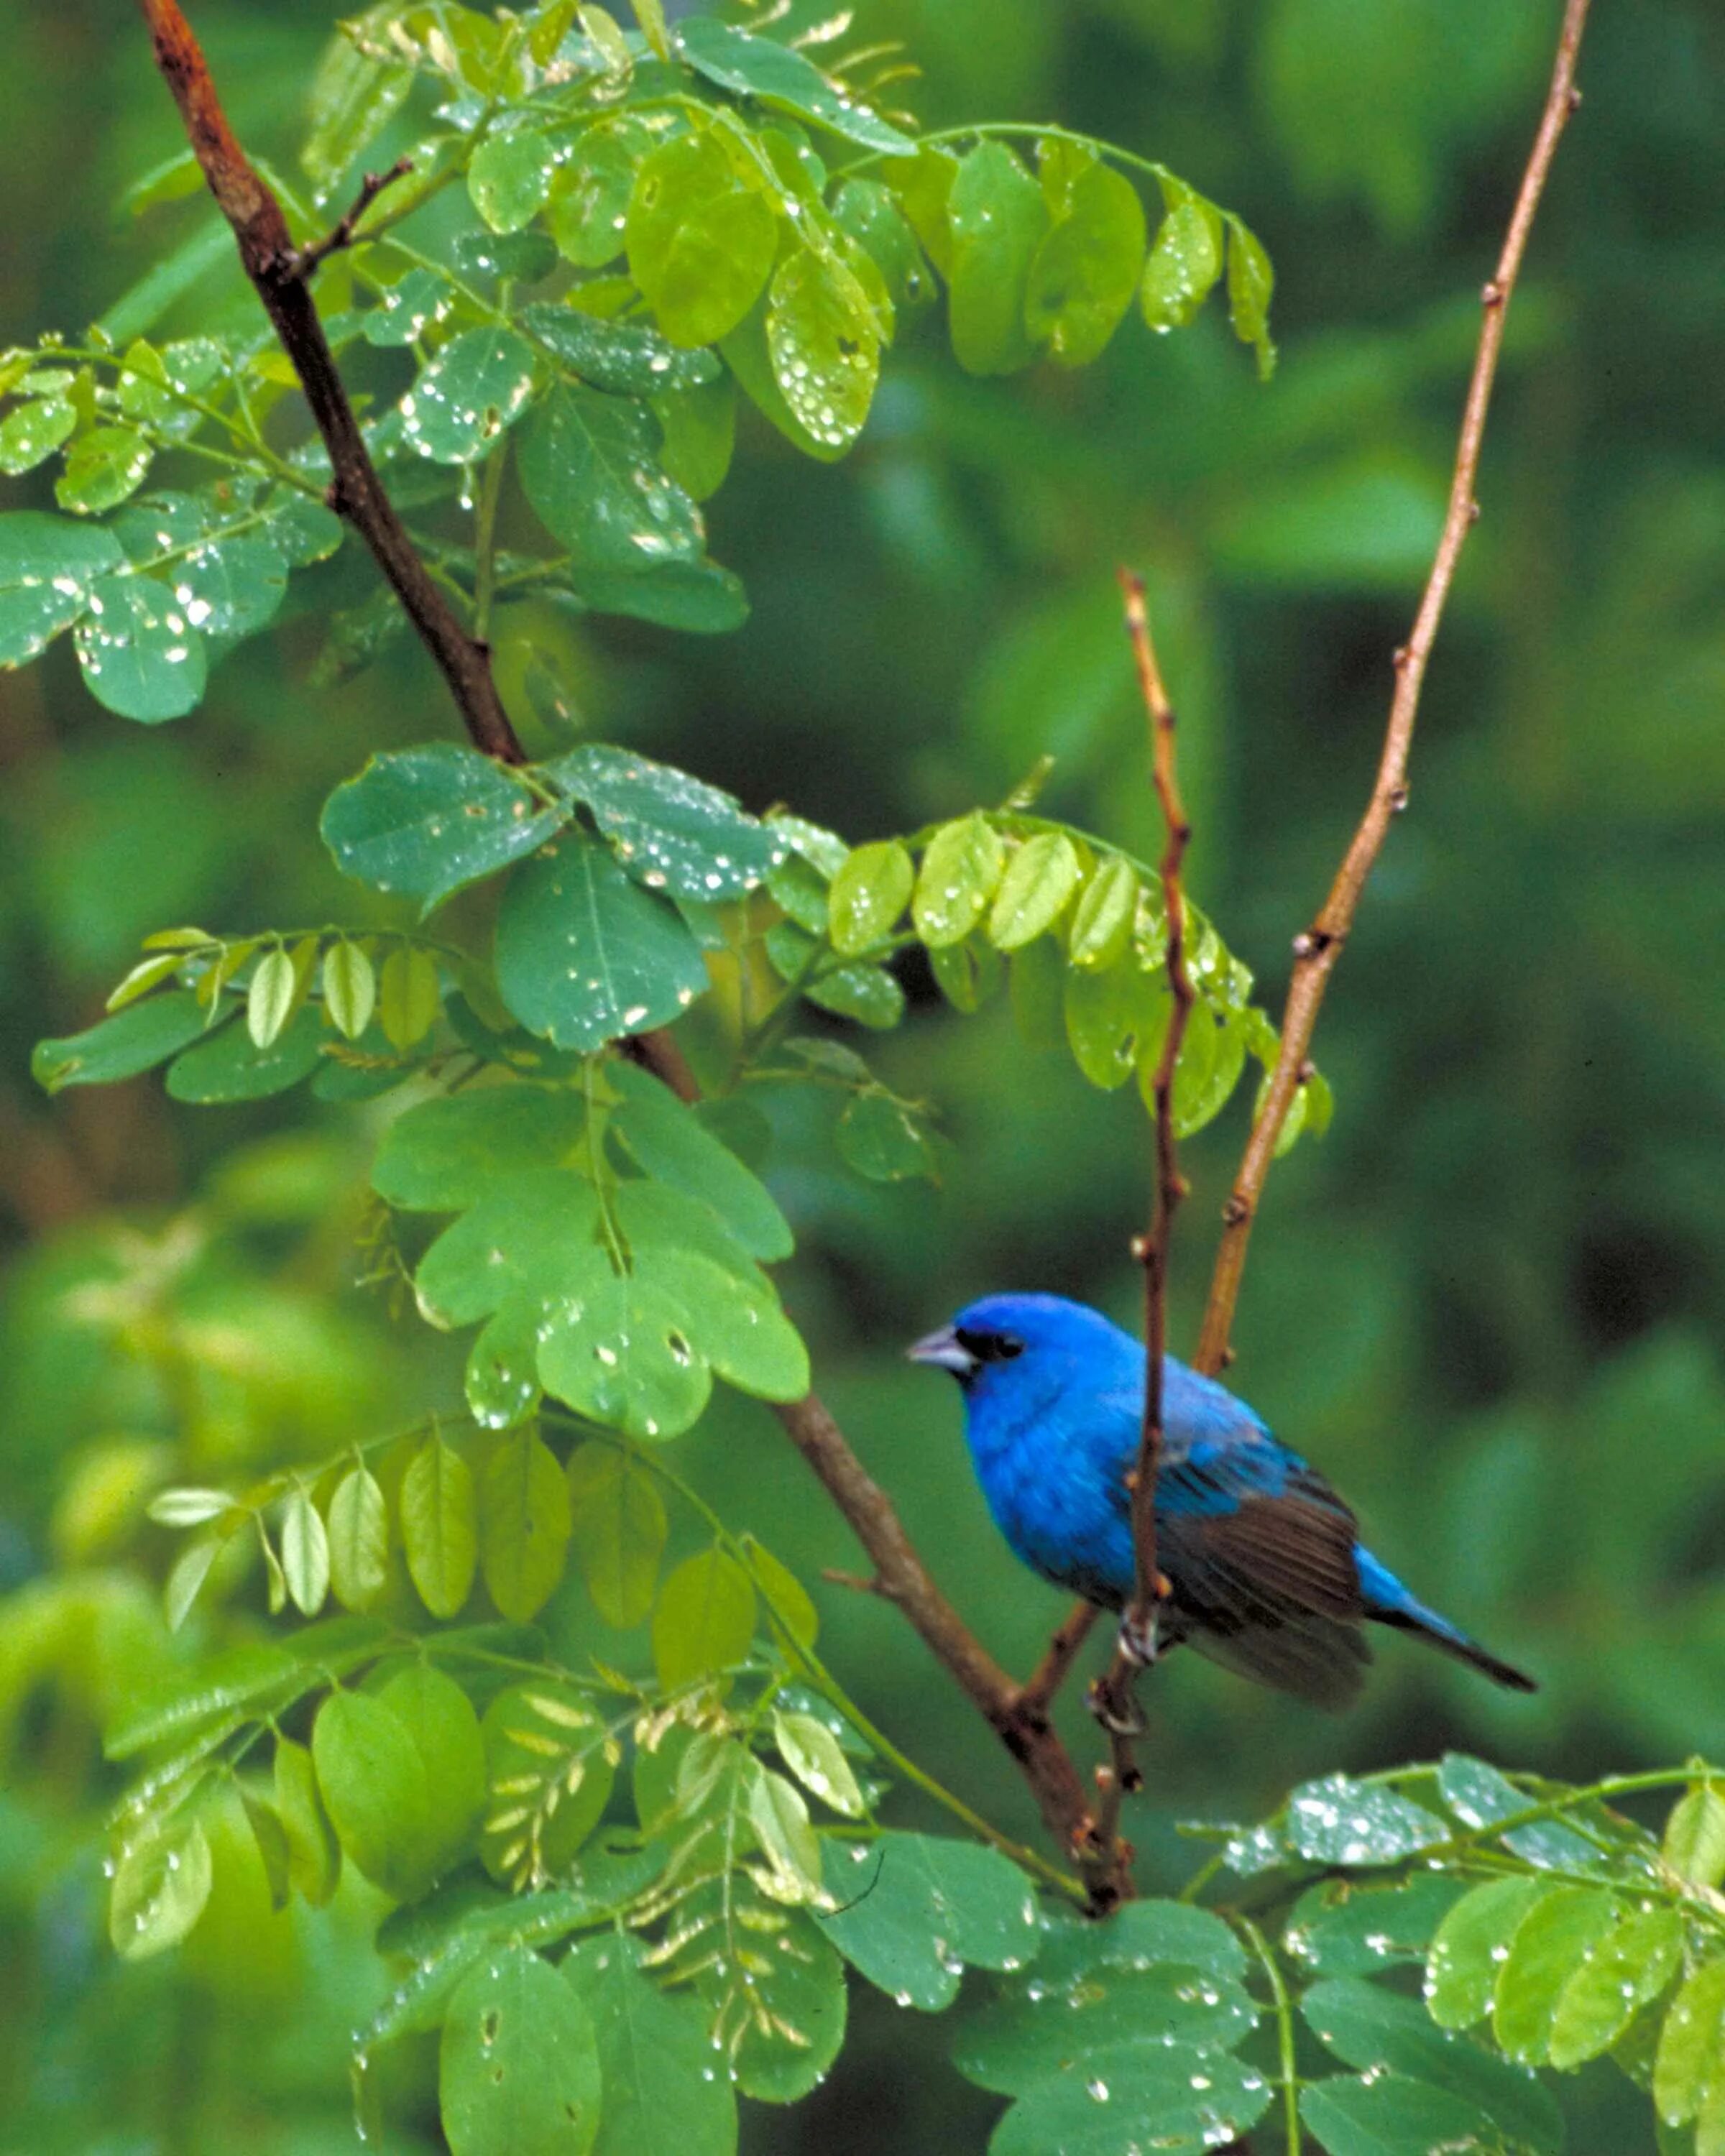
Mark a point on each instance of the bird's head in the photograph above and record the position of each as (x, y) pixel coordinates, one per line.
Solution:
(1022, 1344)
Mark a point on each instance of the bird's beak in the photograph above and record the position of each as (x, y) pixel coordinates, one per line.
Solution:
(942, 1350)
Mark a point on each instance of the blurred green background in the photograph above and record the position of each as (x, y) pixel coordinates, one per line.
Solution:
(1489, 1303)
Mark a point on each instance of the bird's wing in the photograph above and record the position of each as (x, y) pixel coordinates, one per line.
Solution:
(1250, 1536)
(1318, 1659)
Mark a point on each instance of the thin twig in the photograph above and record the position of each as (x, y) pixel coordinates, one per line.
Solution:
(1136, 1643)
(277, 271)
(1318, 949)
(1038, 1690)
(343, 234)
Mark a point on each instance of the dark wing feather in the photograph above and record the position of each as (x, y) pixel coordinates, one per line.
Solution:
(1315, 1658)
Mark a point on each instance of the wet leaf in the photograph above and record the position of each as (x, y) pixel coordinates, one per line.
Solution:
(824, 343)
(701, 237)
(589, 463)
(758, 67)
(139, 656)
(423, 822)
(518, 2067)
(477, 386)
(999, 221)
(672, 832)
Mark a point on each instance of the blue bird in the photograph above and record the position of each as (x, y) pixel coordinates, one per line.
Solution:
(1266, 1573)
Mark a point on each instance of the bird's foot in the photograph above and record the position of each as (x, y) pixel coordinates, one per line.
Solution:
(1121, 1715)
(1140, 1645)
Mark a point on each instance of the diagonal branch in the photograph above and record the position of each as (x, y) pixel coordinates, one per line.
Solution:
(1136, 1643)
(279, 272)
(1317, 950)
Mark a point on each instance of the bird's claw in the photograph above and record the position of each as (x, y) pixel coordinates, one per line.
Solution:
(1139, 1644)
(1120, 1717)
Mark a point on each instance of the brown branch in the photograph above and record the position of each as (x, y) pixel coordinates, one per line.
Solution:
(1036, 1694)
(1135, 1644)
(277, 271)
(342, 234)
(1317, 951)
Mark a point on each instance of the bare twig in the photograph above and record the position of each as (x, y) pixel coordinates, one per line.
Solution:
(1037, 1692)
(1136, 1643)
(277, 269)
(1317, 950)
(343, 234)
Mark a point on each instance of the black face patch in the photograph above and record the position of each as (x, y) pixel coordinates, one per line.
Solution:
(987, 1346)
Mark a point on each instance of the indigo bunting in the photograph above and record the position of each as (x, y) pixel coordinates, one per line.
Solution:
(1265, 1573)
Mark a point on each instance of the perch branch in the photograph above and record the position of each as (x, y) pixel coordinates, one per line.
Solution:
(1111, 1696)
(342, 234)
(279, 272)
(1317, 950)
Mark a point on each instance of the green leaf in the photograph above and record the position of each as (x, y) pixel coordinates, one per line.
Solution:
(227, 1066)
(313, 1854)
(758, 67)
(359, 1540)
(672, 832)
(446, 1154)
(589, 463)
(1103, 918)
(350, 988)
(1213, 1051)
(1338, 1820)
(824, 343)
(373, 1785)
(103, 468)
(1250, 281)
(1557, 1933)
(520, 257)
(477, 386)
(409, 996)
(423, 822)
(1471, 1945)
(305, 1553)
(968, 973)
(518, 2067)
(911, 1909)
(662, 2095)
(701, 237)
(1183, 264)
(699, 426)
(790, 1845)
(584, 955)
(962, 866)
(1085, 271)
(868, 895)
(1155, 1974)
(354, 96)
(789, 2048)
(445, 1731)
(999, 222)
(162, 1882)
(619, 1530)
(812, 1752)
(1188, 2099)
(134, 1039)
(510, 177)
(1374, 2030)
(31, 433)
(405, 311)
(883, 1141)
(1388, 2115)
(1690, 2066)
(439, 1525)
(704, 1622)
(550, 1776)
(184, 1583)
(670, 1143)
(530, 1236)
(1040, 877)
(867, 211)
(626, 357)
(1694, 1844)
(48, 568)
(232, 586)
(139, 656)
(698, 597)
(1621, 1973)
(1115, 1020)
(269, 1000)
(175, 1712)
(590, 193)
(1478, 1795)
(1352, 1926)
(524, 1532)
(786, 1597)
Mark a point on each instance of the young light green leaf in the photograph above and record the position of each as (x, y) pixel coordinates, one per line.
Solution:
(1621, 1974)
(1250, 281)
(1556, 1933)
(354, 95)
(31, 433)
(103, 468)
(350, 988)
(439, 1525)
(619, 1531)
(510, 177)
(1690, 2064)
(373, 1785)
(192, 1568)
(701, 236)
(269, 1840)
(824, 341)
(525, 1526)
(1115, 1020)
(269, 1000)
(305, 1553)
(590, 193)
(705, 1620)
(1085, 271)
(999, 220)
(359, 1539)
(786, 1597)
(962, 867)
(162, 1882)
(518, 2067)
(188, 1507)
(1183, 264)
(1103, 918)
(148, 973)
(1694, 1844)
(313, 1854)
(1040, 877)
(780, 1818)
(868, 894)
(812, 1752)
(408, 995)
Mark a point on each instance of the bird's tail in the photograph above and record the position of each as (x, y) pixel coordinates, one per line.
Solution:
(1389, 1603)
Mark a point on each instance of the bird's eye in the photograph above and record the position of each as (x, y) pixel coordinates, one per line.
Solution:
(988, 1346)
